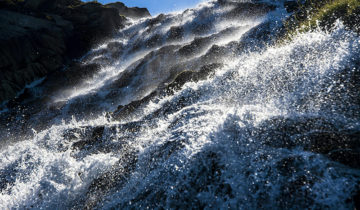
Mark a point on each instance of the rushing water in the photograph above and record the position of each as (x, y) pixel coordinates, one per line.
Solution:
(245, 136)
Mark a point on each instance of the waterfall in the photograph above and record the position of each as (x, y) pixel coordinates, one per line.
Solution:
(196, 109)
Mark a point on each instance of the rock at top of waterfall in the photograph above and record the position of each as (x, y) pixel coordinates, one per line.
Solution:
(131, 12)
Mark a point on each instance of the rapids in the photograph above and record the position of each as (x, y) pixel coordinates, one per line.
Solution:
(196, 109)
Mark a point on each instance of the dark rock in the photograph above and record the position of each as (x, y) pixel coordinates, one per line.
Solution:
(215, 52)
(124, 111)
(195, 76)
(180, 80)
(291, 6)
(96, 136)
(165, 151)
(115, 177)
(356, 200)
(73, 75)
(175, 33)
(325, 142)
(313, 134)
(201, 29)
(203, 176)
(27, 46)
(132, 12)
(92, 23)
(176, 82)
(289, 165)
(34, 4)
(249, 9)
(154, 41)
(348, 157)
(196, 46)
(158, 19)
(39, 37)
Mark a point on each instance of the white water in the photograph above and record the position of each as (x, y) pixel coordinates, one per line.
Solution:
(202, 146)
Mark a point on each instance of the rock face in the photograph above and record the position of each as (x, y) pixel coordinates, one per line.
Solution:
(132, 12)
(39, 37)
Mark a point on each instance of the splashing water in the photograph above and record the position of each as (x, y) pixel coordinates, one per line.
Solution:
(242, 137)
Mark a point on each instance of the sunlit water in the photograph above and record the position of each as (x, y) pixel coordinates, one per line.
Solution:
(203, 146)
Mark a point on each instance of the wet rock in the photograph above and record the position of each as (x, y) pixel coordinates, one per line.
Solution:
(325, 142)
(195, 76)
(180, 80)
(295, 193)
(215, 53)
(40, 37)
(356, 199)
(313, 134)
(175, 33)
(96, 136)
(204, 177)
(196, 46)
(27, 51)
(258, 37)
(249, 9)
(349, 157)
(154, 21)
(175, 84)
(74, 74)
(115, 48)
(8, 176)
(165, 151)
(34, 4)
(149, 68)
(291, 6)
(289, 165)
(92, 23)
(201, 29)
(124, 111)
(154, 41)
(296, 190)
(115, 177)
(206, 172)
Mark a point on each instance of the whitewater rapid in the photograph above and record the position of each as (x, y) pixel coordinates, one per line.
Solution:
(212, 143)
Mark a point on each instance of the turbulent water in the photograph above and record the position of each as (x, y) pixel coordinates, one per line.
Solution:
(203, 108)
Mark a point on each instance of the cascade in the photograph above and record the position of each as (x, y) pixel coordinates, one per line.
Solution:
(201, 108)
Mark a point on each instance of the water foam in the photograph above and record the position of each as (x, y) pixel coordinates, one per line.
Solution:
(201, 146)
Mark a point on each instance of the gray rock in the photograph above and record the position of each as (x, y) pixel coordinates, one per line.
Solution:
(132, 12)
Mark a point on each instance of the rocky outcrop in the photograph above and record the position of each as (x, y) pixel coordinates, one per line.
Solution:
(39, 37)
(131, 12)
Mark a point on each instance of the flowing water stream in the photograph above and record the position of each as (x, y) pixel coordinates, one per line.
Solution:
(196, 109)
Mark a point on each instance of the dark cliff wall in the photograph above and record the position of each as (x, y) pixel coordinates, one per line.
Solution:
(39, 37)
